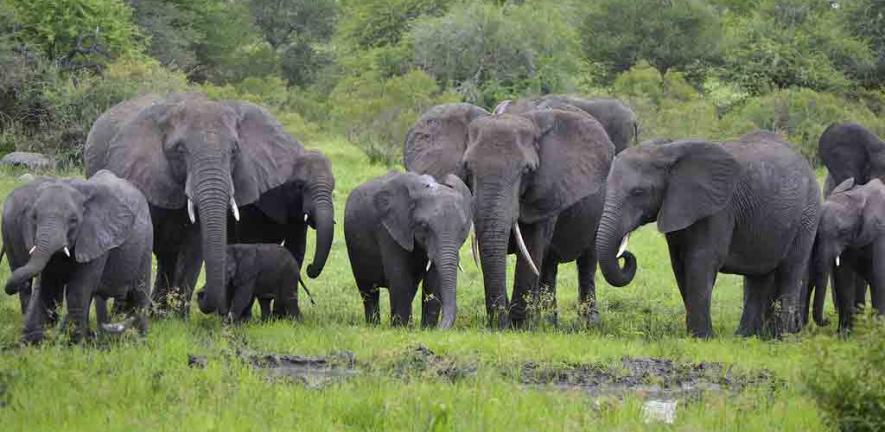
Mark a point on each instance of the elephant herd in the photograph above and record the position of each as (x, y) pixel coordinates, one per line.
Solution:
(554, 179)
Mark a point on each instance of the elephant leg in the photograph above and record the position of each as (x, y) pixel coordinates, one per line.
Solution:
(296, 242)
(242, 300)
(101, 310)
(371, 297)
(759, 293)
(187, 269)
(789, 282)
(674, 244)
(430, 304)
(264, 304)
(860, 292)
(877, 281)
(79, 293)
(844, 292)
(587, 305)
(399, 270)
(24, 295)
(547, 287)
(162, 293)
(525, 282)
(38, 309)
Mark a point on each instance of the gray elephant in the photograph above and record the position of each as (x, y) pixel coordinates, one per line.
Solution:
(851, 234)
(266, 272)
(194, 159)
(849, 150)
(281, 215)
(747, 207)
(538, 181)
(84, 239)
(402, 228)
(616, 118)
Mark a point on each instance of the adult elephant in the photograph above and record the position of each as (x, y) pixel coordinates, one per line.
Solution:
(282, 214)
(618, 120)
(747, 207)
(849, 150)
(194, 159)
(538, 181)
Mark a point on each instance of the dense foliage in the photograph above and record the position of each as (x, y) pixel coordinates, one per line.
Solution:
(366, 69)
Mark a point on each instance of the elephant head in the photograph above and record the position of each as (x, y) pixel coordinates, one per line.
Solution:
(419, 212)
(189, 151)
(75, 219)
(852, 217)
(850, 151)
(520, 168)
(674, 184)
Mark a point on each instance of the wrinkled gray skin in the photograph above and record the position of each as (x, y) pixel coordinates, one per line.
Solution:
(397, 225)
(282, 214)
(852, 228)
(266, 272)
(544, 170)
(616, 118)
(185, 148)
(105, 225)
(849, 150)
(747, 207)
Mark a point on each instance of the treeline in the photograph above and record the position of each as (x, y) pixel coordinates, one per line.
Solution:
(368, 68)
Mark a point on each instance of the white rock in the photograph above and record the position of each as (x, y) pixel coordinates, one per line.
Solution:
(659, 411)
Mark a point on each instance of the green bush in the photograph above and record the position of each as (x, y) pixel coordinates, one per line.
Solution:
(376, 114)
(848, 379)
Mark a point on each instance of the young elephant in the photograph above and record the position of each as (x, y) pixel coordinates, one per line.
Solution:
(851, 235)
(402, 228)
(85, 239)
(260, 271)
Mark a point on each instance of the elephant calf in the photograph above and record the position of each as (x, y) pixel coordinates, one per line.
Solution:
(85, 239)
(402, 228)
(851, 237)
(266, 272)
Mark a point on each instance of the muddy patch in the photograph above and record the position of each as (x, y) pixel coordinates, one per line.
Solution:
(649, 378)
(313, 372)
(420, 361)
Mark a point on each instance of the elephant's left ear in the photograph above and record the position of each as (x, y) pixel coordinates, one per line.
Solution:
(455, 183)
(266, 154)
(575, 155)
(109, 213)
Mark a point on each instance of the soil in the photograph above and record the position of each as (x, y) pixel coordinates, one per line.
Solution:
(314, 372)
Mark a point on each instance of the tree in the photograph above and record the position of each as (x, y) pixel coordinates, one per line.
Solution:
(170, 27)
(666, 33)
(376, 23)
(865, 19)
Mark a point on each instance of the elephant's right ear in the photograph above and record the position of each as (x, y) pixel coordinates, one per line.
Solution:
(702, 179)
(455, 183)
(844, 186)
(136, 153)
(437, 141)
(394, 204)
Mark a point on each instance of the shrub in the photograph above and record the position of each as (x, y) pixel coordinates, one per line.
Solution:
(847, 380)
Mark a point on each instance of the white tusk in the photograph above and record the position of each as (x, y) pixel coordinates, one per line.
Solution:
(233, 208)
(474, 249)
(283, 243)
(429, 263)
(190, 211)
(31, 252)
(524, 250)
(837, 260)
(305, 217)
(461, 268)
(623, 247)
(67, 252)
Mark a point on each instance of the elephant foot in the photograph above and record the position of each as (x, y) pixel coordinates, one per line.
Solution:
(591, 317)
(32, 338)
(500, 321)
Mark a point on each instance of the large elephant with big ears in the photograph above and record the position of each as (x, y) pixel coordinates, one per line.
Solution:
(538, 183)
(195, 160)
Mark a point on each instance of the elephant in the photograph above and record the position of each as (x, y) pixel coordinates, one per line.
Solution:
(538, 182)
(84, 239)
(266, 272)
(616, 118)
(282, 214)
(849, 150)
(748, 206)
(851, 233)
(194, 158)
(424, 225)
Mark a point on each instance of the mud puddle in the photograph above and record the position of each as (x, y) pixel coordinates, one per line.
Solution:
(313, 372)
(422, 362)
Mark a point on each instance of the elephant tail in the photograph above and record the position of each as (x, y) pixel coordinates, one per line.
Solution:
(309, 295)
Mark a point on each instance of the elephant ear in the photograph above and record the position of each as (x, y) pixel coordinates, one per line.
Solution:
(702, 180)
(266, 153)
(872, 202)
(109, 213)
(15, 212)
(844, 186)
(455, 183)
(394, 204)
(574, 154)
(136, 154)
(436, 143)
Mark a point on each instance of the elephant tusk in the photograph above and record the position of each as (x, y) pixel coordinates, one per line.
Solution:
(283, 243)
(31, 252)
(429, 263)
(623, 247)
(67, 252)
(305, 217)
(473, 249)
(190, 211)
(461, 268)
(233, 208)
(524, 250)
(837, 260)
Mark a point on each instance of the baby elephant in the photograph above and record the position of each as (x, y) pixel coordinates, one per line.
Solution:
(402, 228)
(850, 236)
(260, 271)
(85, 239)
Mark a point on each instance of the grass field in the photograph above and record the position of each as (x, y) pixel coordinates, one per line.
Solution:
(477, 379)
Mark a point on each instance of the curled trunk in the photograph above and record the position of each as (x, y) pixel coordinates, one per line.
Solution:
(48, 242)
(324, 219)
(608, 240)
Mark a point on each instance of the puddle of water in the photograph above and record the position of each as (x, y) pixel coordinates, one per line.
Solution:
(313, 372)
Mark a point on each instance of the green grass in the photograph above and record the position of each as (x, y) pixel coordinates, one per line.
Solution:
(135, 384)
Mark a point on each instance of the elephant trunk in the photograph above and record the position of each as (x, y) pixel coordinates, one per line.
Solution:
(213, 194)
(493, 221)
(324, 220)
(608, 240)
(49, 240)
(447, 268)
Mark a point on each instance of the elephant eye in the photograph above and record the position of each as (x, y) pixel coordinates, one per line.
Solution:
(637, 191)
